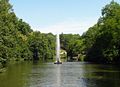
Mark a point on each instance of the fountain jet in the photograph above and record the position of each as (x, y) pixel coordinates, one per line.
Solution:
(58, 61)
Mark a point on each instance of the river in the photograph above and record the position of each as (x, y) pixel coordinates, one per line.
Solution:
(68, 74)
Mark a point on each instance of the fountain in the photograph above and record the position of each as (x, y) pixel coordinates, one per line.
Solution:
(58, 61)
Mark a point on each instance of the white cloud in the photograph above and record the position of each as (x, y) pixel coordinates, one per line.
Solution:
(69, 26)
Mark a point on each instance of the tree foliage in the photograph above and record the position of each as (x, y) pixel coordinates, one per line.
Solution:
(72, 43)
(102, 41)
(18, 41)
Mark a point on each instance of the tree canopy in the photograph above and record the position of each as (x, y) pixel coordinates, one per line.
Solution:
(102, 41)
(18, 41)
(100, 44)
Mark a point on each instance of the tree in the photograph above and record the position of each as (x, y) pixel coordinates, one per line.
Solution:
(104, 39)
(72, 44)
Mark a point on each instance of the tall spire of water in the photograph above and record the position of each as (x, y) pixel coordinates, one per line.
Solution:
(58, 61)
(57, 48)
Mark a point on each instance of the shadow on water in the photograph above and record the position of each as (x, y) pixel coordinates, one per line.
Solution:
(101, 76)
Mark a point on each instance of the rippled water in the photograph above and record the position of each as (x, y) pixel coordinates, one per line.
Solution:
(68, 74)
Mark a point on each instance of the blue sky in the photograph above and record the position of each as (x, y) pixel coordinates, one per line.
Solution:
(56, 16)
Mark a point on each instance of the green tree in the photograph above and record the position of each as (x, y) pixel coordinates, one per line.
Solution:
(104, 39)
(72, 44)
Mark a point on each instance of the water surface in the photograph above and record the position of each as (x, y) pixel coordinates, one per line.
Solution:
(68, 74)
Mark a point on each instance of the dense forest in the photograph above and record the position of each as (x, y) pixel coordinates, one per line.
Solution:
(18, 41)
(102, 41)
(100, 44)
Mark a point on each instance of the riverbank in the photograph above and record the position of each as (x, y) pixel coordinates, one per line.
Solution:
(2, 69)
(11, 62)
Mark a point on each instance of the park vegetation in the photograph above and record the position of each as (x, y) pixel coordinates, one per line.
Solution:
(100, 44)
(18, 41)
(102, 41)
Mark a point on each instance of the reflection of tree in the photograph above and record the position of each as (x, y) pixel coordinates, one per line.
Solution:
(16, 76)
(97, 76)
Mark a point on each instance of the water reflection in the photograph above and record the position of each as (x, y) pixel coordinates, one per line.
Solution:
(15, 76)
(58, 75)
(69, 74)
(101, 76)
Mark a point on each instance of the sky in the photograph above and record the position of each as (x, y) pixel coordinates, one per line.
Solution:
(59, 16)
